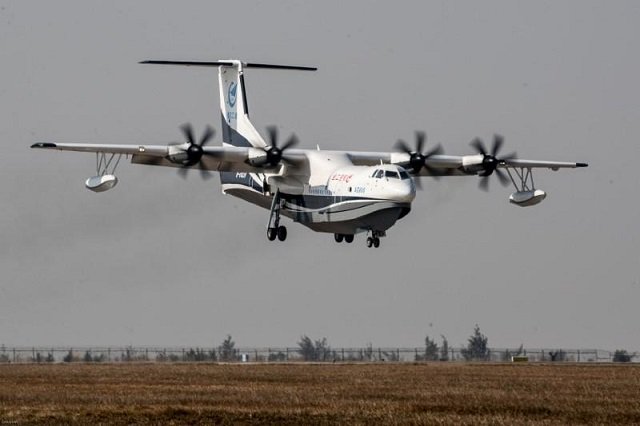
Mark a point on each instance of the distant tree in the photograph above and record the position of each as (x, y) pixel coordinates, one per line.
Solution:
(476, 349)
(130, 354)
(87, 357)
(622, 355)
(198, 355)
(314, 351)
(227, 350)
(307, 348)
(430, 349)
(50, 357)
(69, 356)
(558, 355)
(444, 349)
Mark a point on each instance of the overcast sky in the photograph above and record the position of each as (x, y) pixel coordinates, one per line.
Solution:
(165, 261)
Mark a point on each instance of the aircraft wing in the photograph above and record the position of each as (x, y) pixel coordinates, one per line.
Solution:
(246, 159)
(214, 158)
(451, 165)
(532, 164)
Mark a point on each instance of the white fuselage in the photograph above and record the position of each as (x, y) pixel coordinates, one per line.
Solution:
(338, 197)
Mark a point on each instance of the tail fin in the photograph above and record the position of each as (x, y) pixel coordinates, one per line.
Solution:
(237, 129)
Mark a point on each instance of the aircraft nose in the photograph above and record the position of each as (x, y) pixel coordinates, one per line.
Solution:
(407, 191)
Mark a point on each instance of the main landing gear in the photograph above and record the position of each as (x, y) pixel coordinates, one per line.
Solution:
(347, 238)
(374, 239)
(274, 229)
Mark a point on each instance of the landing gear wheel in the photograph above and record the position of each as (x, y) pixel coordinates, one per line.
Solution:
(282, 233)
(376, 242)
(338, 237)
(272, 233)
(348, 238)
(369, 242)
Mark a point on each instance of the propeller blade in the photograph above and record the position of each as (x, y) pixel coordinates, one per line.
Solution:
(432, 172)
(182, 172)
(187, 130)
(293, 141)
(402, 146)
(484, 183)
(437, 150)
(497, 144)
(205, 174)
(479, 146)
(208, 134)
(273, 135)
(417, 182)
(504, 180)
(420, 138)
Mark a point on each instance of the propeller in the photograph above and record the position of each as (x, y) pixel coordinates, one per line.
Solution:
(273, 151)
(491, 161)
(194, 152)
(418, 159)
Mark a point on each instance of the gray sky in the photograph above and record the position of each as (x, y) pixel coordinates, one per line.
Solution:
(159, 260)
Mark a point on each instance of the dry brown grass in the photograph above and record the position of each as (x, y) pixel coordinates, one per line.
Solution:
(445, 393)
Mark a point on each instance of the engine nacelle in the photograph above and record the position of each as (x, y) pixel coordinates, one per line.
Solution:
(527, 198)
(101, 183)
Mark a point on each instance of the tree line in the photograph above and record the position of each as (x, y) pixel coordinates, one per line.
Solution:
(319, 350)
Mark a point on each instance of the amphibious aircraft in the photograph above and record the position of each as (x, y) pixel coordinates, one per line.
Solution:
(339, 192)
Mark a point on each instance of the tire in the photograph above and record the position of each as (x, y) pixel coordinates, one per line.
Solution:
(369, 242)
(376, 242)
(338, 237)
(272, 233)
(282, 233)
(348, 238)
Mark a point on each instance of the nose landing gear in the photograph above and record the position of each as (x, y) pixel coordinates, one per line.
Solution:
(274, 229)
(280, 233)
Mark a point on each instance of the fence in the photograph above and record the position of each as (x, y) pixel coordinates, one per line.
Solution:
(367, 354)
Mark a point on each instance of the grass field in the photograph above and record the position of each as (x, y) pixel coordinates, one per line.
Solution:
(438, 393)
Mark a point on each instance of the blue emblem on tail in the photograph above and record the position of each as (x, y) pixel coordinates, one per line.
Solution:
(231, 94)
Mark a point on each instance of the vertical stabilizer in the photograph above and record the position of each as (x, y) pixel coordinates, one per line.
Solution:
(237, 129)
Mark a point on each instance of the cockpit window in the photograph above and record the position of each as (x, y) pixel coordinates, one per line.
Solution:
(379, 174)
(391, 174)
(404, 175)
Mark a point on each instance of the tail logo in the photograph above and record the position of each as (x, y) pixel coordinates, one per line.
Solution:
(233, 88)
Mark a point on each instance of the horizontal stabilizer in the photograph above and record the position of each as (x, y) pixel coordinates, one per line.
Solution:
(228, 63)
(44, 145)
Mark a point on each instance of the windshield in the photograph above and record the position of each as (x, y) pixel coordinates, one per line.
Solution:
(391, 174)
